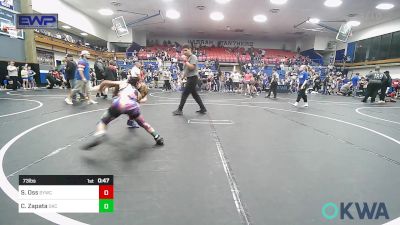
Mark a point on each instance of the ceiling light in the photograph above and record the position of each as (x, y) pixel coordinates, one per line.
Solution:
(66, 27)
(260, 18)
(173, 14)
(222, 1)
(278, 2)
(385, 6)
(106, 12)
(354, 23)
(314, 20)
(333, 3)
(84, 34)
(217, 16)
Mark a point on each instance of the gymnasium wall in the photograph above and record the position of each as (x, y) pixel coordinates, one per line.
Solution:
(306, 43)
(10, 48)
(377, 30)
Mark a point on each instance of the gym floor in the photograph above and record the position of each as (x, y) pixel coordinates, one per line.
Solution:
(248, 161)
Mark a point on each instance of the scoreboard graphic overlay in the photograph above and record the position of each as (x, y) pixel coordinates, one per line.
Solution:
(66, 194)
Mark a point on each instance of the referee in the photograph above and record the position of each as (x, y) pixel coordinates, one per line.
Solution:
(190, 71)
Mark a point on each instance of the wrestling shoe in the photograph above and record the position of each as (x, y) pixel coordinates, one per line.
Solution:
(159, 140)
(202, 111)
(177, 112)
(69, 101)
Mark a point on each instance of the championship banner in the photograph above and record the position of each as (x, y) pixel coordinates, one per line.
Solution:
(9, 4)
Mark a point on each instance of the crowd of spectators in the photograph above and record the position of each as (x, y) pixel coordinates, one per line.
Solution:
(70, 39)
(250, 75)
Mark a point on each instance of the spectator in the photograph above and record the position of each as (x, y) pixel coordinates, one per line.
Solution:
(111, 71)
(345, 90)
(216, 82)
(325, 91)
(274, 84)
(303, 84)
(53, 78)
(25, 76)
(166, 78)
(92, 77)
(31, 78)
(13, 74)
(110, 75)
(70, 70)
(82, 79)
(136, 70)
(236, 80)
(99, 69)
(363, 85)
(355, 80)
(386, 84)
(317, 83)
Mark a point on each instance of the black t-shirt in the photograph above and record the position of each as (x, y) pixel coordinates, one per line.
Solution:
(388, 80)
(70, 70)
(110, 73)
(99, 70)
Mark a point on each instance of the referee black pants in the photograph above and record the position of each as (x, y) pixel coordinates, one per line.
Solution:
(372, 91)
(190, 88)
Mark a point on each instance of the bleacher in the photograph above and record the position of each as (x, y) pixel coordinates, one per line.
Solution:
(222, 54)
(150, 52)
(153, 65)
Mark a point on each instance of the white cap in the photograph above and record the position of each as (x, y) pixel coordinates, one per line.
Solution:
(85, 52)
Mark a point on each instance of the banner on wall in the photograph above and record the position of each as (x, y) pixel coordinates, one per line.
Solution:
(9, 4)
(37, 21)
(45, 58)
(7, 19)
(222, 43)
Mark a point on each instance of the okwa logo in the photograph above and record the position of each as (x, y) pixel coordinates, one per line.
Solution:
(351, 210)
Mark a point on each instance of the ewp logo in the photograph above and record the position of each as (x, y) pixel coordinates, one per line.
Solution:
(37, 21)
(330, 211)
